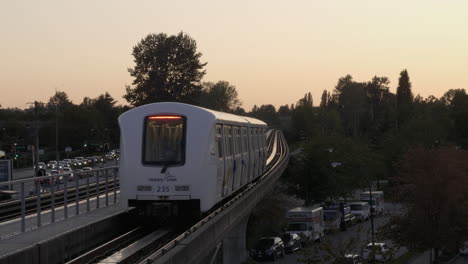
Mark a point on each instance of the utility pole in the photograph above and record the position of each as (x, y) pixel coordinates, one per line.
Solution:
(57, 156)
(372, 215)
(36, 141)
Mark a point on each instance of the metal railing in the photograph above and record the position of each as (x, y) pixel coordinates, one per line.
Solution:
(33, 195)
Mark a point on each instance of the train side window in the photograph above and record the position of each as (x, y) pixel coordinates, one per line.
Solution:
(219, 140)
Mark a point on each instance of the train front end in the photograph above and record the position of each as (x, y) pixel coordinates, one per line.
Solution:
(166, 165)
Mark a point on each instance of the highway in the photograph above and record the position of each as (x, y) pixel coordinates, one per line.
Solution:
(28, 173)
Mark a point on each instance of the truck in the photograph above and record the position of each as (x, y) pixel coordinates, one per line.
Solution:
(338, 216)
(377, 201)
(306, 222)
(360, 209)
(332, 218)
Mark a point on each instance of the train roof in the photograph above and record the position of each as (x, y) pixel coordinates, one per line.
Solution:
(148, 108)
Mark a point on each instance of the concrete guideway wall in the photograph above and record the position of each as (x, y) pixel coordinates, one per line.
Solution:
(197, 245)
(58, 246)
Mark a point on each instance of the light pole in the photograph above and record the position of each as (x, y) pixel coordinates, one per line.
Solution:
(57, 156)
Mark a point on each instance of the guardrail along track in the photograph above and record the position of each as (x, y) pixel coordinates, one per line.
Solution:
(12, 209)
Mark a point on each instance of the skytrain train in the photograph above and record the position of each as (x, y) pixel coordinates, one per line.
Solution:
(178, 157)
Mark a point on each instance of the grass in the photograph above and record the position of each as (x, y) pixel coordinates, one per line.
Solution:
(403, 259)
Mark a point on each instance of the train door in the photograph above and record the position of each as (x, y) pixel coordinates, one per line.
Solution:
(228, 158)
(221, 155)
(245, 156)
(237, 166)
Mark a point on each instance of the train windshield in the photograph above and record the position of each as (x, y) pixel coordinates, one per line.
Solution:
(164, 140)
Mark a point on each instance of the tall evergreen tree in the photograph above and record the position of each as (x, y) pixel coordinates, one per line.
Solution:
(324, 101)
(404, 97)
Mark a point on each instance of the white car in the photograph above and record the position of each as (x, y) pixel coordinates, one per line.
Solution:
(464, 249)
(68, 171)
(378, 251)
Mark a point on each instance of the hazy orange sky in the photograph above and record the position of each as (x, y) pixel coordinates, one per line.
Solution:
(272, 51)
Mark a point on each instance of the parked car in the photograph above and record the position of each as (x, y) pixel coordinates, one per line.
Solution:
(378, 251)
(348, 259)
(292, 242)
(268, 248)
(464, 249)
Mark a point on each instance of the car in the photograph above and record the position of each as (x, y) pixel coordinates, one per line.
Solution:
(67, 161)
(51, 164)
(76, 162)
(82, 160)
(89, 161)
(292, 242)
(377, 251)
(268, 248)
(348, 259)
(464, 249)
(68, 171)
(86, 171)
(58, 179)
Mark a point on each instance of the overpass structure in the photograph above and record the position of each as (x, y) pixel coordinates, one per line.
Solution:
(71, 236)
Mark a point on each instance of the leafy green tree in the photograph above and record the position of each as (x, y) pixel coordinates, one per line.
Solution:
(284, 110)
(266, 113)
(220, 96)
(60, 101)
(458, 108)
(432, 187)
(404, 97)
(352, 101)
(167, 68)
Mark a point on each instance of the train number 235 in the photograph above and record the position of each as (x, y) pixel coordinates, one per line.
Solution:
(162, 188)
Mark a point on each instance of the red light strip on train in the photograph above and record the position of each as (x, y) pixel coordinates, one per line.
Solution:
(164, 117)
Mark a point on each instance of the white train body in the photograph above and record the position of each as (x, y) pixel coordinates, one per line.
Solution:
(173, 152)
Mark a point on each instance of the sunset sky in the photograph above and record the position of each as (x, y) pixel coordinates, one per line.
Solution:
(272, 51)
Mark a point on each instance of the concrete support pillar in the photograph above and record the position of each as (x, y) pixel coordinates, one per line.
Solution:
(234, 243)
